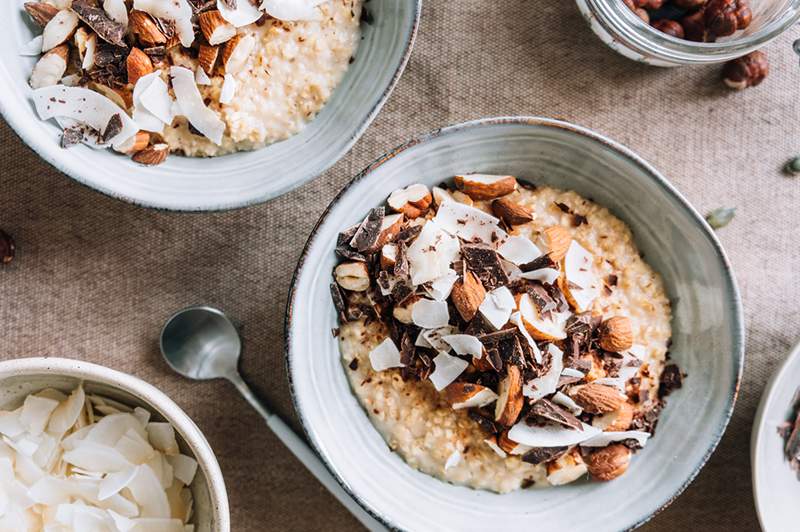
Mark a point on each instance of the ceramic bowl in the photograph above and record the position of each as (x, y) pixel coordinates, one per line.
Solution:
(707, 333)
(776, 488)
(236, 180)
(21, 377)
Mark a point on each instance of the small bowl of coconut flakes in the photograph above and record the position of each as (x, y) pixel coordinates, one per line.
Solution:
(84, 447)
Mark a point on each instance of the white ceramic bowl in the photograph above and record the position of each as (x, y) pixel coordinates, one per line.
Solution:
(776, 488)
(707, 342)
(21, 377)
(233, 180)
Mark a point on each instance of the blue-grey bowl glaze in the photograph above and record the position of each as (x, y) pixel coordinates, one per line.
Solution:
(230, 181)
(708, 334)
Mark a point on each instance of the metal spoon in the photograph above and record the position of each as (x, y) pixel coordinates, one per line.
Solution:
(201, 343)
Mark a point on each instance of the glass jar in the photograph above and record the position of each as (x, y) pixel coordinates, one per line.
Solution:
(626, 33)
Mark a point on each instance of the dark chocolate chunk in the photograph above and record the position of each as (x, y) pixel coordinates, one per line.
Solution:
(542, 455)
(483, 422)
(112, 129)
(408, 233)
(353, 364)
(544, 410)
(485, 263)
(538, 263)
(96, 18)
(338, 302)
(366, 236)
(401, 265)
(71, 136)
(671, 379)
(407, 350)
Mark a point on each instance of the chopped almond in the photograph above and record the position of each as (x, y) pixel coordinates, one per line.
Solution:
(484, 186)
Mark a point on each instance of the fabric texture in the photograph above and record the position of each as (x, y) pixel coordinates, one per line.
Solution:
(95, 278)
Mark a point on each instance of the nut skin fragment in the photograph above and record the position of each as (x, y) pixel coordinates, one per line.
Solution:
(597, 398)
(746, 71)
(467, 295)
(511, 212)
(557, 239)
(616, 334)
(7, 248)
(353, 276)
(152, 156)
(510, 400)
(138, 65)
(609, 462)
(478, 190)
(41, 12)
(143, 26)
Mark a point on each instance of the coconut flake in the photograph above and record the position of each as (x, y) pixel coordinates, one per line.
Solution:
(184, 467)
(516, 319)
(434, 338)
(84, 105)
(638, 351)
(148, 493)
(430, 314)
(192, 106)
(496, 448)
(519, 250)
(113, 483)
(465, 344)
(243, 14)
(447, 369)
(543, 275)
(290, 10)
(431, 254)
(176, 10)
(572, 372)
(567, 402)
(550, 435)
(605, 438)
(553, 327)
(548, 383)
(36, 413)
(579, 273)
(66, 414)
(200, 77)
(385, 356)
(89, 53)
(469, 223)
(229, 85)
(32, 48)
(453, 460)
(10, 425)
(116, 11)
(440, 288)
(155, 98)
(497, 306)
(162, 437)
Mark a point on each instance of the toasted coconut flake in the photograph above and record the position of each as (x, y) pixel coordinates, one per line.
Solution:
(550, 435)
(84, 105)
(519, 250)
(546, 384)
(497, 307)
(543, 275)
(447, 369)
(431, 254)
(178, 11)
(469, 223)
(430, 314)
(228, 91)
(59, 29)
(192, 106)
(385, 356)
(290, 10)
(242, 14)
(464, 344)
(605, 438)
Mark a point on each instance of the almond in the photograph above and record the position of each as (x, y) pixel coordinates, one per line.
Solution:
(402, 311)
(440, 195)
(467, 295)
(235, 53)
(566, 469)
(388, 256)
(609, 462)
(616, 421)
(59, 29)
(135, 144)
(413, 201)
(468, 395)
(50, 68)
(353, 276)
(511, 212)
(152, 155)
(484, 186)
(597, 398)
(216, 29)
(139, 65)
(390, 227)
(556, 241)
(144, 27)
(41, 12)
(510, 446)
(460, 197)
(616, 334)
(509, 400)
(207, 57)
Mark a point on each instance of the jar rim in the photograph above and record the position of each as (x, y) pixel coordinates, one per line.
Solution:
(625, 26)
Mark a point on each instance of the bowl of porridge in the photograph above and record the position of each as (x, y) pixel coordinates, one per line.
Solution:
(511, 302)
(199, 104)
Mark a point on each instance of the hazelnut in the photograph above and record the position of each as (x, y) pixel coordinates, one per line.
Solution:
(721, 18)
(609, 462)
(649, 4)
(689, 4)
(7, 248)
(694, 26)
(746, 71)
(643, 14)
(670, 27)
(353, 276)
(743, 15)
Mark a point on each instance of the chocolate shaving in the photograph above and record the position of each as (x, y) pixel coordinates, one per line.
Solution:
(577, 219)
(112, 129)
(483, 422)
(485, 263)
(338, 302)
(366, 236)
(543, 261)
(543, 455)
(96, 18)
(544, 410)
(71, 136)
(401, 265)
(407, 350)
(408, 233)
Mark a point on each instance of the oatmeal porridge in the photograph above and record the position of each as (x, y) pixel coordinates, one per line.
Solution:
(197, 77)
(501, 336)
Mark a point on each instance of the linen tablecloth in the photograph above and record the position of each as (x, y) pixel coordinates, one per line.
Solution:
(95, 278)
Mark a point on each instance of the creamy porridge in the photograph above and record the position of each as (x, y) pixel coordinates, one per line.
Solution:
(196, 77)
(501, 336)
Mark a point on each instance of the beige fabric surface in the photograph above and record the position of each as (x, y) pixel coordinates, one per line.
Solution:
(95, 278)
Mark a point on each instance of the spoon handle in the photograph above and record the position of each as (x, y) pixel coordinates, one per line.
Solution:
(307, 457)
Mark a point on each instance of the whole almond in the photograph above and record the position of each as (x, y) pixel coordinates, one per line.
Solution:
(138, 65)
(152, 155)
(486, 187)
(467, 295)
(598, 398)
(609, 462)
(510, 400)
(557, 239)
(144, 27)
(135, 144)
(511, 212)
(616, 334)
(41, 12)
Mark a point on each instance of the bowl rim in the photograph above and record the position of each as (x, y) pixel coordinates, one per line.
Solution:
(148, 393)
(759, 430)
(18, 122)
(734, 299)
